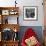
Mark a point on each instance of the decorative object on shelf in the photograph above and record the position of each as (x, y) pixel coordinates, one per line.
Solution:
(15, 3)
(7, 34)
(15, 37)
(15, 34)
(30, 13)
(5, 12)
(13, 12)
(6, 21)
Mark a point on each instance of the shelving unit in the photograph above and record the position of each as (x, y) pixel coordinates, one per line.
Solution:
(5, 23)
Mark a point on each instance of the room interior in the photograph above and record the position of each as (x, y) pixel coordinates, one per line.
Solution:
(16, 16)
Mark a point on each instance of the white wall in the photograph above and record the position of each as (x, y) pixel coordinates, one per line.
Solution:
(22, 3)
(37, 3)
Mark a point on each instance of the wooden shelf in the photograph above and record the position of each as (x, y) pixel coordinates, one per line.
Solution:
(10, 9)
(10, 43)
(11, 26)
(4, 13)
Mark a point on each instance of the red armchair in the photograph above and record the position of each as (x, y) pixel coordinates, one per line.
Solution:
(28, 34)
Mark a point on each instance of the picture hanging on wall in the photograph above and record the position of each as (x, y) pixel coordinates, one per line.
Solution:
(30, 13)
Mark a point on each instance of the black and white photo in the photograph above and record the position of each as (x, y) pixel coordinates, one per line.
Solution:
(30, 13)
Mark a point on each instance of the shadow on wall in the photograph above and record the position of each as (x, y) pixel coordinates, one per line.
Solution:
(37, 29)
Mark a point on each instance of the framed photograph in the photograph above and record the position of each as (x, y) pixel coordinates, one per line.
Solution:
(5, 12)
(30, 13)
